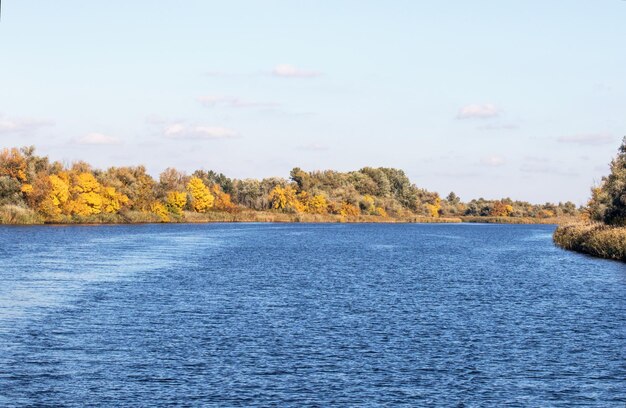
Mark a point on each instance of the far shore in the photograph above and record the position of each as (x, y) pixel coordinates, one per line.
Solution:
(280, 217)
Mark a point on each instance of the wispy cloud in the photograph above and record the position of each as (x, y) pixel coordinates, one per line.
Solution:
(589, 139)
(492, 161)
(232, 102)
(184, 131)
(97, 139)
(291, 71)
(21, 125)
(479, 111)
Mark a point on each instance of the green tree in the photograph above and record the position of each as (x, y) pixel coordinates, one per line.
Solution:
(615, 188)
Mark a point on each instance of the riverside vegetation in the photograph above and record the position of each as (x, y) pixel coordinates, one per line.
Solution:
(35, 190)
(603, 233)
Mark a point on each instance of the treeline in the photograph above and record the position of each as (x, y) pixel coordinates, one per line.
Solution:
(604, 232)
(52, 192)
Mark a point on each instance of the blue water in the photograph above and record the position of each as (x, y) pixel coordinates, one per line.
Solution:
(307, 315)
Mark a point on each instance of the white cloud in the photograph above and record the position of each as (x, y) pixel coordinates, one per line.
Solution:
(480, 111)
(232, 102)
(291, 71)
(97, 139)
(184, 131)
(492, 161)
(590, 139)
(21, 125)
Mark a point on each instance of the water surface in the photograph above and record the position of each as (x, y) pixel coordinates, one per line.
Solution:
(307, 315)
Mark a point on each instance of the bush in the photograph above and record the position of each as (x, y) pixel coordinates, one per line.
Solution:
(13, 214)
(593, 239)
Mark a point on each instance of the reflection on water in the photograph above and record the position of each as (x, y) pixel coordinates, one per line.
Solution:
(297, 315)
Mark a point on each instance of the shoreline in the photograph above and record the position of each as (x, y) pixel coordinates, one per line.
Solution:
(277, 217)
(594, 239)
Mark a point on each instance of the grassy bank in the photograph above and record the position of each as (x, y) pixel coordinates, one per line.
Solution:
(15, 215)
(11, 214)
(518, 220)
(593, 239)
(273, 216)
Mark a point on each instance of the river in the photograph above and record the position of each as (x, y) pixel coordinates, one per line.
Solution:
(307, 315)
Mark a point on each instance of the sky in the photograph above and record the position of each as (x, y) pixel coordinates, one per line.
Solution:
(489, 99)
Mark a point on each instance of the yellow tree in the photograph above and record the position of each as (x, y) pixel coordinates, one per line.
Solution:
(317, 205)
(381, 211)
(278, 198)
(112, 201)
(286, 199)
(501, 209)
(434, 207)
(160, 210)
(201, 198)
(349, 210)
(56, 195)
(86, 197)
(176, 201)
(13, 164)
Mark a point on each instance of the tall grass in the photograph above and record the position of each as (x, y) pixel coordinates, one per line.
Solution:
(13, 214)
(594, 239)
(518, 220)
(271, 216)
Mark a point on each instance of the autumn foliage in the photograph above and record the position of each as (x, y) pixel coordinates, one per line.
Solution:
(78, 193)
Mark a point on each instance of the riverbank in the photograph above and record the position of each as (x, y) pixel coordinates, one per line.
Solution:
(593, 239)
(15, 215)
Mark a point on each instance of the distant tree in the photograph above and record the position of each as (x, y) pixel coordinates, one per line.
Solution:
(56, 191)
(175, 202)
(317, 205)
(452, 198)
(171, 180)
(135, 183)
(501, 209)
(222, 200)
(211, 178)
(286, 199)
(85, 194)
(614, 188)
(349, 210)
(301, 178)
(13, 164)
(201, 197)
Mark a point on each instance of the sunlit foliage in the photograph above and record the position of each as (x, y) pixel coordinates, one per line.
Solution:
(160, 210)
(201, 197)
(78, 193)
(176, 201)
(501, 209)
(13, 164)
(349, 210)
(222, 201)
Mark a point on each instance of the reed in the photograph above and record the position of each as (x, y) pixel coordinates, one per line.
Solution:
(518, 220)
(13, 214)
(594, 239)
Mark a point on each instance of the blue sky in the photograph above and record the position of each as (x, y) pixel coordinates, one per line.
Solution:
(484, 98)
